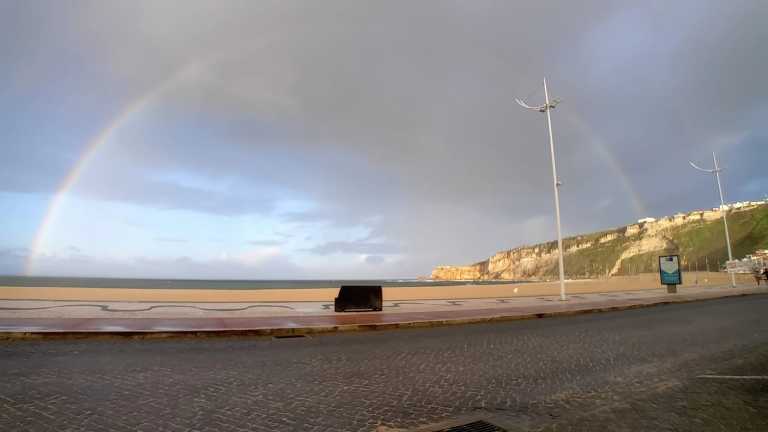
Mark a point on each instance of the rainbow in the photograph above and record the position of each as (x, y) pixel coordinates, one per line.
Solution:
(599, 147)
(139, 104)
(96, 143)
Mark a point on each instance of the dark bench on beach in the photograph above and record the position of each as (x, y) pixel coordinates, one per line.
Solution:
(358, 297)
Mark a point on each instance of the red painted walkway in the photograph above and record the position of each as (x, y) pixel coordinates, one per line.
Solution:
(10, 326)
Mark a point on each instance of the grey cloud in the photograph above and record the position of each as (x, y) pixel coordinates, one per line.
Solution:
(375, 259)
(265, 242)
(354, 247)
(12, 260)
(128, 185)
(145, 267)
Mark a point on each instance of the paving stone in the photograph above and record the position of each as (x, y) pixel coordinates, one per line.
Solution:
(630, 370)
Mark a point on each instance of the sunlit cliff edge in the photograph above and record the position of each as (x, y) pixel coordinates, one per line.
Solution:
(697, 236)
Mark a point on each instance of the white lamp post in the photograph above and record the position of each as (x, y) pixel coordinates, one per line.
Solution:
(555, 181)
(716, 172)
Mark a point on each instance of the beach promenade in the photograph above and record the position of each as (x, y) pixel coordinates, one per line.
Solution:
(31, 312)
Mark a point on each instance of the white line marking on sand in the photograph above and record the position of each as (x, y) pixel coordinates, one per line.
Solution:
(748, 377)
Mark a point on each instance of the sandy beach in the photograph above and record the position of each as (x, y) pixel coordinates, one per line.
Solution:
(621, 283)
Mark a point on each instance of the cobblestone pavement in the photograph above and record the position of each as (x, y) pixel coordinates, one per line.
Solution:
(630, 370)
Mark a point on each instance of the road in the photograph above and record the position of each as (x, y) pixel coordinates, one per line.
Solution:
(629, 370)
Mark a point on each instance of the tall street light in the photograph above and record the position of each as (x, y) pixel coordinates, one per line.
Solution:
(555, 181)
(723, 208)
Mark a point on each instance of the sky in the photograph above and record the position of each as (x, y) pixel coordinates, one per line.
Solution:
(360, 139)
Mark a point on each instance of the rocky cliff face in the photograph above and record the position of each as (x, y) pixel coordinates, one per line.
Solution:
(697, 236)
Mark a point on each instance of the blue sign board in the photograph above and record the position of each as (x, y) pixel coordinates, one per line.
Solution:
(669, 269)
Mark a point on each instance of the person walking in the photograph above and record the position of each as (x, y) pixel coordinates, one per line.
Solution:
(765, 274)
(758, 275)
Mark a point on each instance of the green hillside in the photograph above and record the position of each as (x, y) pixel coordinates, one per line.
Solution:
(699, 244)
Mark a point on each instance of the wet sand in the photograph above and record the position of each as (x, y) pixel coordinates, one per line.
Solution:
(620, 283)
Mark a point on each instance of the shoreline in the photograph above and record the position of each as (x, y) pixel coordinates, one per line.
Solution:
(224, 284)
(327, 294)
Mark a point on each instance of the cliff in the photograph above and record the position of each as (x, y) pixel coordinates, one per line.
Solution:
(697, 237)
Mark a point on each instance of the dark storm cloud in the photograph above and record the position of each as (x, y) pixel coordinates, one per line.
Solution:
(399, 116)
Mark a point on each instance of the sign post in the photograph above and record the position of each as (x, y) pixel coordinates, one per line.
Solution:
(670, 273)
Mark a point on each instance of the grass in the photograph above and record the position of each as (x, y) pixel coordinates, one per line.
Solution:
(698, 244)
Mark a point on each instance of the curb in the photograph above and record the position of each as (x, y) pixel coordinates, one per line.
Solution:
(310, 330)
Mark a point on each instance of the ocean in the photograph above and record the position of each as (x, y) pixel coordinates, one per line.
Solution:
(224, 284)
